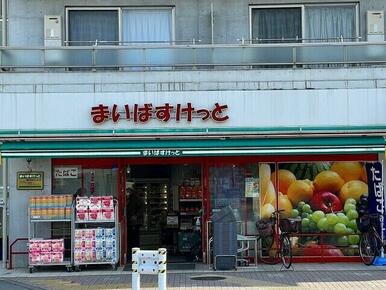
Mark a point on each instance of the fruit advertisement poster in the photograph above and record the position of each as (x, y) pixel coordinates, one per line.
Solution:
(325, 197)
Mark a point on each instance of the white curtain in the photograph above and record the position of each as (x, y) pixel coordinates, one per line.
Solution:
(327, 23)
(146, 25)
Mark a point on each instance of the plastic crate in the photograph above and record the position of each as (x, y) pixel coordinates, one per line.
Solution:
(225, 262)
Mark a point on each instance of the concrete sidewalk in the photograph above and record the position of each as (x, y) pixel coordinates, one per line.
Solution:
(302, 276)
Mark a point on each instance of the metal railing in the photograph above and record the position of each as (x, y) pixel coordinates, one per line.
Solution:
(12, 252)
(192, 56)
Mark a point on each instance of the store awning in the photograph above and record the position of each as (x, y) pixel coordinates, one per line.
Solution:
(199, 147)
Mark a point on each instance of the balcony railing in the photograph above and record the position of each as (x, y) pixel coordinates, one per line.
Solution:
(168, 57)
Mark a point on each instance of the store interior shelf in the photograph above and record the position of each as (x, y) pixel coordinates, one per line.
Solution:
(189, 213)
(64, 263)
(95, 222)
(191, 200)
(95, 263)
(49, 220)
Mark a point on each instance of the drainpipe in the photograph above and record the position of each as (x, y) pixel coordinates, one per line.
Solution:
(5, 222)
(4, 22)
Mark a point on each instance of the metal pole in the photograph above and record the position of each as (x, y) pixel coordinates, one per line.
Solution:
(4, 23)
(162, 269)
(383, 212)
(135, 277)
(4, 222)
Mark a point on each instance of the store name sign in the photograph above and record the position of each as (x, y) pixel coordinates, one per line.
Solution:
(161, 153)
(143, 113)
(30, 180)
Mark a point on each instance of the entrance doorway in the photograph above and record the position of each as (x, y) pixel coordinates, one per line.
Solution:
(164, 208)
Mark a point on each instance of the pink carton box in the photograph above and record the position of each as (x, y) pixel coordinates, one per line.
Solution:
(34, 257)
(79, 255)
(94, 214)
(56, 257)
(108, 214)
(79, 243)
(81, 215)
(45, 246)
(89, 233)
(79, 233)
(89, 244)
(45, 258)
(95, 202)
(107, 202)
(34, 246)
(57, 245)
(82, 201)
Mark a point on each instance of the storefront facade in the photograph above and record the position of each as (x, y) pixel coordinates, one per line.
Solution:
(202, 169)
(207, 125)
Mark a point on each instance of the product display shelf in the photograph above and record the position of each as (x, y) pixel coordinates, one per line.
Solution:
(189, 211)
(104, 224)
(33, 222)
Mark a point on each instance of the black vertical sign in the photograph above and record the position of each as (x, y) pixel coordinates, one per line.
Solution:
(376, 194)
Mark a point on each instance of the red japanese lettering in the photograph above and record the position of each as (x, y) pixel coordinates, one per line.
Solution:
(100, 113)
(218, 110)
(188, 110)
(135, 113)
(127, 112)
(205, 114)
(178, 112)
(115, 113)
(163, 112)
(145, 113)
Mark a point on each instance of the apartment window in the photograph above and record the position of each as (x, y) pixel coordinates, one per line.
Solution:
(330, 22)
(276, 24)
(311, 23)
(86, 27)
(146, 25)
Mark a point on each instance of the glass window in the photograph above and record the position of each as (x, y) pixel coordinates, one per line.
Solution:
(85, 27)
(146, 25)
(99, 182)
(327, 197)
(77, 181)
(330, 23)
(321, 23)
(236, 186)
(276, 24)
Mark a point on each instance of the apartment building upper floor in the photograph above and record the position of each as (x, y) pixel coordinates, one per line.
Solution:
(169, 34)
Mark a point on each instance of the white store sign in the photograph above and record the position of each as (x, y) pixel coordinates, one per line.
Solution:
(65, 172)
(259, 109)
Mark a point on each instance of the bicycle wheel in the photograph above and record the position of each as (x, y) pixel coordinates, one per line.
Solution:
(268, 251)
(285, 251)
(368, 248)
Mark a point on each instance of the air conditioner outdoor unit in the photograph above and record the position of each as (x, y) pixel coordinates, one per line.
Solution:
(375, 25)
(52, 30)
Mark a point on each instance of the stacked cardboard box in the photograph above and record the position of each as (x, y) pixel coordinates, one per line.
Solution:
(95, 245)
(95, 208)
(50, 206)
(46, 251)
